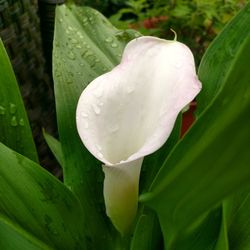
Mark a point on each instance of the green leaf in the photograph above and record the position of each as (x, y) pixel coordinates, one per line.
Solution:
(35, 205)
(219, 57)
(147, 234)
(55, 147)
(14, 124)
(86, 45)
(203, 235)
(222, 242)
(237, 213)
(212, 160)
(14, 237)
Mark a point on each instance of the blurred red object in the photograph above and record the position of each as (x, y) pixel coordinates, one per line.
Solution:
(152, 22)
(188, 118)
(149, 23)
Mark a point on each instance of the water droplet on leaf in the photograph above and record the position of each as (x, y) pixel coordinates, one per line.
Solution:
(2, 110)
(13, 121)
(71, 55)
(21, 122)
(109, 39)
(114, 45)
(12, 108)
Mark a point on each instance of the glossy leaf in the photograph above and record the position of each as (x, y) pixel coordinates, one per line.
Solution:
(36, 206)
(193, 181)
(237, 213)
(15, 130)
(14, 237)
(220, 56)
(55, 147)
(147, 234)
(85, 46)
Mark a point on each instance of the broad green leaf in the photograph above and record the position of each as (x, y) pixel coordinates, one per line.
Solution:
(212, 160)
(219, 57)
(55, 147)
(15, 130)
(14, 237)
(203, 235)
(222, 241)
(237, 213)
(147, 234)
(85, 46)
(35, 204)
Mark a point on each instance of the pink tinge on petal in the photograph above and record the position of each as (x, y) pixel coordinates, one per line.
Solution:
(132, 109)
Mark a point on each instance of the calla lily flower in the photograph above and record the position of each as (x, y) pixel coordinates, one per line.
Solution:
(129, 112)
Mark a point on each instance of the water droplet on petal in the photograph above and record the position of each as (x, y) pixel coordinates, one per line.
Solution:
(97, 110)
(100, 155)
(130, 89)
(114, 128)
(86, 125)
(178, 64)
(98, 92)
(84, 115)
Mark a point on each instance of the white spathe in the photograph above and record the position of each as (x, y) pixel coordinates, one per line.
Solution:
(129, 112)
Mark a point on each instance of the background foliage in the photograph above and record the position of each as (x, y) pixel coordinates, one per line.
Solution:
(197, 22)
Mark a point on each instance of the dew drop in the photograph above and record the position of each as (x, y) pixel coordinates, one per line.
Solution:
(13, 121)
(74, 41)
(178, 64)
(130, 89)
(86, 125)
(98, 92)
(12, 108)
(21, 122)
(85, 19)
(97, 110)
(114, 45)
(109, 39)
(2, 110)
(71, 55)
(99, 154)
(84, 115)
(114, 128)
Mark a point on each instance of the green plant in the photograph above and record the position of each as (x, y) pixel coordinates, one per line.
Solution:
(194, 191)
(196, 22)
